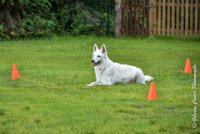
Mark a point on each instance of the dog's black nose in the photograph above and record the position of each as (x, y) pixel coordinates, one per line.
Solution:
(92, 61)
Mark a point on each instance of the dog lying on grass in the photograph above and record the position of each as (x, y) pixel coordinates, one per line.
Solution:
(108, 72)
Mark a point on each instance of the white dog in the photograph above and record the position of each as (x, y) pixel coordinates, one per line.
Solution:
(109, 73)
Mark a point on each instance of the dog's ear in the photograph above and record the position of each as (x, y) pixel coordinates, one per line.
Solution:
(95, 47)
(103, 48)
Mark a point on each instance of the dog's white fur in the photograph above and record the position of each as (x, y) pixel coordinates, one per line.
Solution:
(108, 72)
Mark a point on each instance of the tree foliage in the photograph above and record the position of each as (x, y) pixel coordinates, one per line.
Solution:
(39, 18)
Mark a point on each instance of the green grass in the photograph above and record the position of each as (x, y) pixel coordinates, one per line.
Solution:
(51, 96)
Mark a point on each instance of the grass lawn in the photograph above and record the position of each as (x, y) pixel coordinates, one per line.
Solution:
(51, 96)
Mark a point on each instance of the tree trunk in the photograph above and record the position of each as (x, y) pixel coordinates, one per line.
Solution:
(118, 17)
(10, 14)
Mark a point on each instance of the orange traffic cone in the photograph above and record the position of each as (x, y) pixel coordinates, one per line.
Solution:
(188, 68)
(152, 92)
(15, 73)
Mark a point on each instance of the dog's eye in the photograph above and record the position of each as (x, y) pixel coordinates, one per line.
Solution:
(98, 56)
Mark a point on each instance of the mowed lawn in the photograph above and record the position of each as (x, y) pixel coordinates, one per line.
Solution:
(52, 96)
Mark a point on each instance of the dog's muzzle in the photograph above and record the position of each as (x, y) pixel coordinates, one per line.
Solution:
(95, 63)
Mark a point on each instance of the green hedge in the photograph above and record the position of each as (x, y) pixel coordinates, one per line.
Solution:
(42, 18)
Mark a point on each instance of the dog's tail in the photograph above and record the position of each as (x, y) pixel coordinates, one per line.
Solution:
(148, 78)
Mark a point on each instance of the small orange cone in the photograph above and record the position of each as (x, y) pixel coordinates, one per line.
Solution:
(15, 73)
(152, 92)
(188, 68)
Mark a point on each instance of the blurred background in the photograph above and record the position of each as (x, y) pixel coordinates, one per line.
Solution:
(42, 18)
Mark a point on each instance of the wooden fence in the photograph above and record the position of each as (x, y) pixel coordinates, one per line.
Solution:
(160, 17)
(135, 17)
(175, 17)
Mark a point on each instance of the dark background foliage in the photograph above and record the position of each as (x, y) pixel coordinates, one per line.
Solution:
(41, 18)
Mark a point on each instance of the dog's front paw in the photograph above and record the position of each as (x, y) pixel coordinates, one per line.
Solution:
(91, 84)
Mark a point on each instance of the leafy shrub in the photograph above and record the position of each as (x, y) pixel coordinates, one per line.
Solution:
(85, 20)
(2, 32)
(63, 20)
(40, 18)
(36, 27)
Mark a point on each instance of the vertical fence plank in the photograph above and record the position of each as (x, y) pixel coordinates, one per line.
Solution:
(118, 18)
(198, 29)
(168, 17)
(150, 17)
(186, 17)
(182, 17)
(191, 16)
(177, 17)
(122, 28)
(142, 17)
(145, 22)
(147, 16)
(196, 17)
(130, 18)
(138, 17)
(154, 17)
(163, 18)
(122, 24)
(127, 6)
(173, 16)
(125, 17)
(134, 19)
(159, 17)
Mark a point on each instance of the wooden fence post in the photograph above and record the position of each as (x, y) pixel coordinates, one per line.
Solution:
(150, 18)
(118, 17)
(165, 17)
